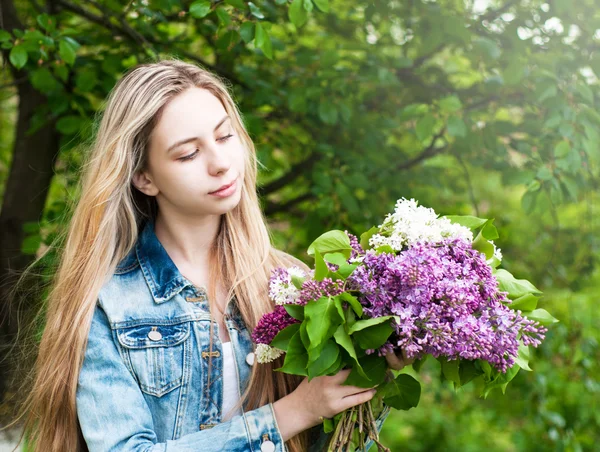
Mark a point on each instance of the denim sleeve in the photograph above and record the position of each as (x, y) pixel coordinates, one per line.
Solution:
(114, 416)
(319, 438)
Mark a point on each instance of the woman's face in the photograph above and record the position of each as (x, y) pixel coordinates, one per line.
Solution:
(193, 151)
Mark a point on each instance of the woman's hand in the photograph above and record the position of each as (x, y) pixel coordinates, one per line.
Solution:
(398, 362)
(321, 397)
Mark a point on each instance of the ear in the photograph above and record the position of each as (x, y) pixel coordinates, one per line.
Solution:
(142, 181)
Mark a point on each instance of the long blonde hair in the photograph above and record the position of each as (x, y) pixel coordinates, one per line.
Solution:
(104, 226)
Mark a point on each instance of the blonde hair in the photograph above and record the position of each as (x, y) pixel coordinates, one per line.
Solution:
(104, 226)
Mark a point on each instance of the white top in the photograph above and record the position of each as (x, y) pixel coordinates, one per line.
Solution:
(231, 391)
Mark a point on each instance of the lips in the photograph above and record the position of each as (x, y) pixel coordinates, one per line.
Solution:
(224, 186)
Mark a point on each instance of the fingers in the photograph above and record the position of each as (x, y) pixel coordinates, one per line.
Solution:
(358, 398)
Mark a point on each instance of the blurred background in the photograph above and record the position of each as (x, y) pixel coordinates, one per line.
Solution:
(486, 108)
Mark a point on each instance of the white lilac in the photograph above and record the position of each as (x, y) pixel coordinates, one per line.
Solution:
(281, 288)
(411, 223)
(265, 353)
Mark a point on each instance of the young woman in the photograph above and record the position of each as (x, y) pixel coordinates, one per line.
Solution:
(163, 274)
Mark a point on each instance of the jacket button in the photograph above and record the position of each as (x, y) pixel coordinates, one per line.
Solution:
(155, 335)
(267, 446)
(250, 358)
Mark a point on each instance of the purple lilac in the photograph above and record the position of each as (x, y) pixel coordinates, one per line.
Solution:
(270, 324)
(313, 290)
(355, 245)
(448, 302)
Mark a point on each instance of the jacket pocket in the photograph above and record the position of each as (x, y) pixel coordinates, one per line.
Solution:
(156, 354)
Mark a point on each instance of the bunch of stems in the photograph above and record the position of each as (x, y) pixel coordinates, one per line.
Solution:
(358, 418)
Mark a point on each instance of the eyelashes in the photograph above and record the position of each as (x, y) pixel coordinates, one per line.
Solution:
(193, 154)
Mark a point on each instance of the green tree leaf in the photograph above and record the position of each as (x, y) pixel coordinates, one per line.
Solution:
(296, 358)
(263, 40)
(200, 9)
(297, 14)
(18, 56)
(402, 393)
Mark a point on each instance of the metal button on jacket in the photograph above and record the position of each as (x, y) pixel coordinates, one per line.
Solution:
(155, 335)
(267, 446)
(250, 358)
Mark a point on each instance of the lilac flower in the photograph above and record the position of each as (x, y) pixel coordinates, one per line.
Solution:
(313, 290)
(281, 288)
(447, 301)
(270, 324)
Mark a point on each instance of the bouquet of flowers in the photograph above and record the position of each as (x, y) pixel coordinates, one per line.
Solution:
(418, 284)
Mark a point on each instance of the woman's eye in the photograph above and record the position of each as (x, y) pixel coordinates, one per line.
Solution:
(225, 138)
(193, 154)
(189, 157)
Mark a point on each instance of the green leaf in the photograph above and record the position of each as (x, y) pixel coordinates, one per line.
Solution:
(374, 336)
(467, 371)
(31, 244)
(240, 4)
(489, 231)
(223, 16)
(365, 236)
(330, 242)
(308, 5)
(282, 339)
(527, 302)
(402, 393)
(323, 5)
(263, 41)
(297, 14)
(353, 302)
(255, 11)
(424, 127)
(468, 221)
(562, 149)
(322, 319)
(18, 56)
(457, 127)
(247, 31)
(43, 80)
(69, 125)
(296, 357)
(544, 173)
(5, 36)
(522, 358)
(373, 366)
(540, 315)
(483, 245)
(450, 104)
(366, 323)
(450, 369)
(321, 269)
(67, 48)
(200, 9)
(328, 112)
(528, 201)
(47, 22)
(515, 287)
(343, 339)
(327, 357)
(296, 311)
(327, 425)
(298, 281)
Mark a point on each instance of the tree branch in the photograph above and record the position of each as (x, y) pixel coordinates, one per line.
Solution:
(295, 171)
(273, 208)
(426, 153)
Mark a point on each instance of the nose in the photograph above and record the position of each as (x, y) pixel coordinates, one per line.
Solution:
(219, 160)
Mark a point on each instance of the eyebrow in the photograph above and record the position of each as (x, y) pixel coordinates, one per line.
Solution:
(187, 140)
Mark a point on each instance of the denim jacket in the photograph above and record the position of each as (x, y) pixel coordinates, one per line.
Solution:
(143, 381)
